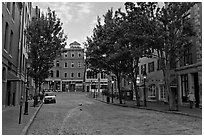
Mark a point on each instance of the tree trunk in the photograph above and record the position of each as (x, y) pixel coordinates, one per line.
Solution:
(118, 84)
(171, 98)
(136, 92)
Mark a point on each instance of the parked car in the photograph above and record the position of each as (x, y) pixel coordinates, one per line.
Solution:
(49, 97)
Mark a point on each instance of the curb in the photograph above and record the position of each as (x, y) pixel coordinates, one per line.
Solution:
(25, 129)
(169, 112)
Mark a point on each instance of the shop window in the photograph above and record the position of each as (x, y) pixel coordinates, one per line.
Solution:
(162, 92)
(152, 91)
(184, 87)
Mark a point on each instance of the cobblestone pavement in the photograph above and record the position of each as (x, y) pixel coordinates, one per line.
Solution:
(74, 113)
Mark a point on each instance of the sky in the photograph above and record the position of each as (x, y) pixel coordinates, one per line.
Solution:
(79, 18)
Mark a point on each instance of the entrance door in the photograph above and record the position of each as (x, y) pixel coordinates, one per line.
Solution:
(8, 93)
(196, 88)
(87, 88)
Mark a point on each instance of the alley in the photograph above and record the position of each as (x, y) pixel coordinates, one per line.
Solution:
(75, 113)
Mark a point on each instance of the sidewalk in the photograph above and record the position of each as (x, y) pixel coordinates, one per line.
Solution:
(10, 119)
(155, 106)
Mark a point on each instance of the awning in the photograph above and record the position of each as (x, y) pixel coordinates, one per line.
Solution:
(12, 77)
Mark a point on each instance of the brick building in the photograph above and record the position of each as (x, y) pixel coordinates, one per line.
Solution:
(67, 75)
(14, 18)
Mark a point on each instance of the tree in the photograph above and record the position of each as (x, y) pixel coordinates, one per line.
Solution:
(45, 40)
(135, 27)
(103, 50)
(172, 35)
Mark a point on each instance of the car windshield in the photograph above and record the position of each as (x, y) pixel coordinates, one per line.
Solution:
(49, 94)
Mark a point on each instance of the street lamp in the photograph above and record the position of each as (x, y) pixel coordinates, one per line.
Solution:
(112, 89)
(144, 76)
(27, 88)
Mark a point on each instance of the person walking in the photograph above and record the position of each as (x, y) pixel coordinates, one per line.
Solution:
(191, 99)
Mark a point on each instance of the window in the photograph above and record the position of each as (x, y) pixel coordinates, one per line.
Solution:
(72, 64)
(65, 65)
(79, 64)
(11, 42)
(57, 63)
(65, 55)
(143, 68)
(6, 36)
(103, 75)
(79, 75)
(184, 87)
(79, 55)
(4, 74)
(158, 64)
(151, 67)
(13, 11)
(72, 54)
(91, 75)
(65, 75)
(51, 73)
(72, 75)
(187, 57)
(57, 73)
(152, 91)
(162, 92)
(9, 6)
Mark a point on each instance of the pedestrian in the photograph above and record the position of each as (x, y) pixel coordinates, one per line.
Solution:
(191, 99)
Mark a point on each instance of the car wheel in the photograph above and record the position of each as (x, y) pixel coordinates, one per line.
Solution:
(54, 101)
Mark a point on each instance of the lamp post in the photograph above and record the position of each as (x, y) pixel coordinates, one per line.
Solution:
(144, 76)
(27, 88)
(137, 81)
(112, 89)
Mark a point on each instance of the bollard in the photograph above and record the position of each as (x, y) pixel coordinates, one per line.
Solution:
(21, 104)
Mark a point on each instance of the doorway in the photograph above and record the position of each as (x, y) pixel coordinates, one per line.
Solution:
(8, 93)
(196, 88)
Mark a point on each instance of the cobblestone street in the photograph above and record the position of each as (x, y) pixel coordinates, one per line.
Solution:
(68, 117)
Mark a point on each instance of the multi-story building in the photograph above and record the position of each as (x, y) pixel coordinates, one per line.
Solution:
(12, 15)
(67, 75)
(189, 69)
(95, 82)
(154, 81)
(186, 76)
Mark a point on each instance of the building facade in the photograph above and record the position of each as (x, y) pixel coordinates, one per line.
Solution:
(95, 82)
(189, 70)
(154, 82)
(13, 68)
(67, 75)
(186, 75)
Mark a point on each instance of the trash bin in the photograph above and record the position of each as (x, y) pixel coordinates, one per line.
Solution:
(108, 99)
